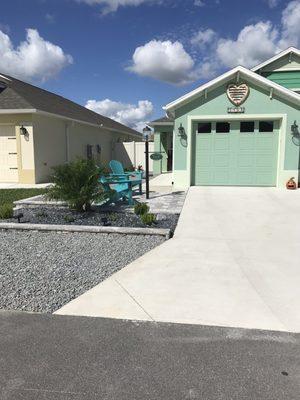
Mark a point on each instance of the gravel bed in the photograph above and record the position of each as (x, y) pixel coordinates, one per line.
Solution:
(42, 271)
(64, 216)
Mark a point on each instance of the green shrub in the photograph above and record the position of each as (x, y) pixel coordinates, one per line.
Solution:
(69, 218)
(6, 211)
(41, 214)
(148, 219)
(141, 208)
(77, 184)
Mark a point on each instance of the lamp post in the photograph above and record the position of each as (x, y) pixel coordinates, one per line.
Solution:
(146, 134)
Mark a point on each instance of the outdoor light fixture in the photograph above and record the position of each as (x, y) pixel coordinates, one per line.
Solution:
(24, 131)
(181, 131)
(146, 133)
(295, 129)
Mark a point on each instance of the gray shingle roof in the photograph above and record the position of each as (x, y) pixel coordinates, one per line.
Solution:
(163, 120)
(22, 95)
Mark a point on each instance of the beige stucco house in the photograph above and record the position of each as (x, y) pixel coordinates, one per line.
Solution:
(39, 130)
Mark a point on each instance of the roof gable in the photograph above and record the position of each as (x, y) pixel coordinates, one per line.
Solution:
(287, 60)
(239, 73)
(22, 95)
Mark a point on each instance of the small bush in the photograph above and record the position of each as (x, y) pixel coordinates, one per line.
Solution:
(141, 208)
(6, 211)
(77, 183)
(69, 218)
(148, 219)
(41, 214)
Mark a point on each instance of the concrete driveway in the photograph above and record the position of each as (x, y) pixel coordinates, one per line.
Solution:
(234, 261)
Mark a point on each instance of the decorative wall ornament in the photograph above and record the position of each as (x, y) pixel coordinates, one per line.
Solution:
(238, 93)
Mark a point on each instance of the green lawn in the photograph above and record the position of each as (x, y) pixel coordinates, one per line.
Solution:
(8, 196)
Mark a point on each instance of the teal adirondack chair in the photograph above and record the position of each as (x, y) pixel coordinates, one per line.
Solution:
(118, 171)
(117, 188)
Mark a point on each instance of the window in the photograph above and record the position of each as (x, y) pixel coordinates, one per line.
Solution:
(222, 127)
(204, 127)
(247, 126)
(266, 126)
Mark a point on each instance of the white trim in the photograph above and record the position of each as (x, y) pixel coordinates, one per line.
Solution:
(293, 50)
(252, 76)
(281, 139)
(18, 111)
(161, 124)
(5, 77)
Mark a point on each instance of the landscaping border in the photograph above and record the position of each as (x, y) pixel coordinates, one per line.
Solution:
(88, 229)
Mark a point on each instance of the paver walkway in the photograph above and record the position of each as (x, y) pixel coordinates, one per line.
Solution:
(232, 262)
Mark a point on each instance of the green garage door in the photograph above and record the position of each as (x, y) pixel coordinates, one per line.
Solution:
(239, 153)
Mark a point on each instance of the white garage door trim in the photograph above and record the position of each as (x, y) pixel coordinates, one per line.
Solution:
(242, 117)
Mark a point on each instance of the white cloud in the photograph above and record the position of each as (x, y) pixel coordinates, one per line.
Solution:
(34, 59)
(203, 38)
(109, 6)
(169, 61)
(132, 115)
(273, 3)
(291, 25)
(253, 44)
(199, 3)
(163, 60)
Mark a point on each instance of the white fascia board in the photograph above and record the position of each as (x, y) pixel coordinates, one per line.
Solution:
(194, 93)
(171, 123)
(5, 77)
(277, 57)
(18, 111)
(244, 72)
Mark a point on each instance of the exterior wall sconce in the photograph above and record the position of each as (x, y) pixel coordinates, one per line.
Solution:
(295, 134)
(181, 131)
(295, 129)
(24, 131)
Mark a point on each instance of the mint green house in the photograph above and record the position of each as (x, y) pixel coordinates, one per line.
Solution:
(240, 129)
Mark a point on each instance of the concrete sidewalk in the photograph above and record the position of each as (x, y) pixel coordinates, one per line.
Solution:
(233, 262)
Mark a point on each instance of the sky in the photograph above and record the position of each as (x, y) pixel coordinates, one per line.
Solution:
(128, 58)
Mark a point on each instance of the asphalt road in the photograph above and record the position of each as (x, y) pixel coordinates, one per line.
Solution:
(70, 358)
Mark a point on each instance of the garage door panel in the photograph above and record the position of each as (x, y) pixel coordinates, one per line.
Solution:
(234, 158)
(222, 143)
(245, 160)
(246, 143)
(265, 161)
(265, 143)
(221, 177)
(221, 160)
(205, 142)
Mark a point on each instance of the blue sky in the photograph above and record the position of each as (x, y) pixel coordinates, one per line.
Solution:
(130, 57)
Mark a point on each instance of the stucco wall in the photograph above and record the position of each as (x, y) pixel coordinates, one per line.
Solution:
(49, 145)
(57, 141)
(216, 103)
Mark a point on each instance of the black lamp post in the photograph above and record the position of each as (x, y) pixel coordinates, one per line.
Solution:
(146, 134)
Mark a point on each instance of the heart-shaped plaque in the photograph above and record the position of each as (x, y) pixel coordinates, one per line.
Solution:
(237, 94)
